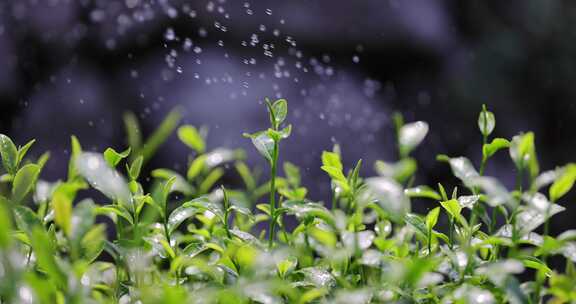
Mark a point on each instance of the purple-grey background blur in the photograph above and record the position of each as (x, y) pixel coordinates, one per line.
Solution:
(74, 66)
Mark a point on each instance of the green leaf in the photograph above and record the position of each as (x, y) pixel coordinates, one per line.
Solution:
(389, 195)
(210, 180)
(204, 204)
(523, 153)
(161, 134)
(564, 183)
(286, 266)
(190, 136)
(24, 181)
(115, 209)
(103, 178)
(486, 122)
(497, 144)
(113, 158)
(133, 132)
(263, 143)
(76, 151)
(246, 175)
(331, 159)
(400, 171)
(280, 108)
(423, 191)
(92, 242)
(5, 225)
(417, 223)
(196, 167)
(62, 200)
(25, 218)
(9, 154)
(23, 150)
(432, 218)
(179, 215)
(45, 253)
(452, 207)
(135, 168)
(180, 183)
(463, 169)
(411, 135)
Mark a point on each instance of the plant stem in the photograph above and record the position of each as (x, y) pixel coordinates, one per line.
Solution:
(273, 194)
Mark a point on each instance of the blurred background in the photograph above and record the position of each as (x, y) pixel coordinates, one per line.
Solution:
(75, 66)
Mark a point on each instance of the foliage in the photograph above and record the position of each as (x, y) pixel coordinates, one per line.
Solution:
(181, 238)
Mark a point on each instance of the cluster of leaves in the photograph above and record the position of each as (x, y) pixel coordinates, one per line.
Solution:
(187, 240)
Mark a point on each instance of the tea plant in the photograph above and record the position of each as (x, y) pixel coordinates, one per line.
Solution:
(182, 238)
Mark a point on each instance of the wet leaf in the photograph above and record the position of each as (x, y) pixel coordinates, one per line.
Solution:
(411, 135)
(96, 171)
(9, 154)
(486, 122)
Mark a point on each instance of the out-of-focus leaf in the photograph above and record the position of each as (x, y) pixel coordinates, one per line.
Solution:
(486, 122)
(62, 200)
(190, 136)
(411, 135)
(432, 218)
(422, 191)
(389, 195)
(564, 183)
(5, 225)
(96, 171)
(491, 148)
(180, 183)
(523, 153)
(113, 158)
(161, 134)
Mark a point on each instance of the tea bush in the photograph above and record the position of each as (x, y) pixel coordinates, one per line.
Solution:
(181, 238)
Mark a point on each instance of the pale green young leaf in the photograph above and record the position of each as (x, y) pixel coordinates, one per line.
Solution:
(486, 122)
(113, 158)
(23, 150)
(563, 183)
(161, 134)
(491, 148)
(452, 207)
(432, 218)
(190, 136)
(135, 168)
(196, 167)
(280, 108)
(411, 135)
(263, 143)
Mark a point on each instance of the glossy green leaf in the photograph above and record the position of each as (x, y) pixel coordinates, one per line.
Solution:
(9, 154)
(263, 143)
(411, 135)
(24, 181)
(113, 158)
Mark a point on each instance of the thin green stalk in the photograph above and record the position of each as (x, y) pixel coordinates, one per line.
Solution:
(273, 195)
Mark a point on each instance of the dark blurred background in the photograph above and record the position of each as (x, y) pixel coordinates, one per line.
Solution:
(75, 66)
